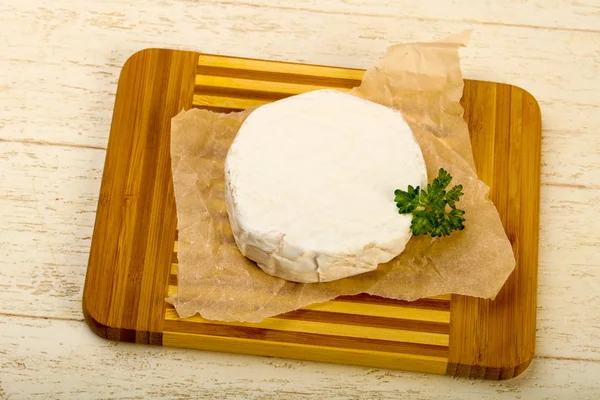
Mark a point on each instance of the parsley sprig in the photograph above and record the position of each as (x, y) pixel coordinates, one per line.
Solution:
(429, 207)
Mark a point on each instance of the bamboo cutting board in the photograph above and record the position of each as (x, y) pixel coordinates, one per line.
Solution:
(133, 257)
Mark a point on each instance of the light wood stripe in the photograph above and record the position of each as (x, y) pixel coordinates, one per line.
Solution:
(325, 328)
(270, 335)
(367, 320)
(328, 354)
(278, 67)
(415, 314)
(447, 297)
(279, 88)
(227, 102)
(358, 320)
(172, 290)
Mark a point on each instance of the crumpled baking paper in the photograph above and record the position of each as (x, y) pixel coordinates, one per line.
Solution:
(424, 82)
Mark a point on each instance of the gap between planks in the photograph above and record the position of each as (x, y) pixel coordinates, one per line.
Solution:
(55, 144)
(28, 316)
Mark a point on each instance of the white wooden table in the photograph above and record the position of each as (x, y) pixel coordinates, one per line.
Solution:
(59, 65)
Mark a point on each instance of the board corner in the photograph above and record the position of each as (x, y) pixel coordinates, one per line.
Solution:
(491, 373)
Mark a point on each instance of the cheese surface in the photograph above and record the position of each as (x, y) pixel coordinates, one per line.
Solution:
(309, 185)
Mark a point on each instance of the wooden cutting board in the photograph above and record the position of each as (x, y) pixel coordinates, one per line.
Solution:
(133, 257)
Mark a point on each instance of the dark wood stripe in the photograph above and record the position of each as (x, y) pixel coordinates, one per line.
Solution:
(483, 372)
(172, 280)
(305, 338)
(130, 252)
(428, 304)
(363, 320)
(174, 258)
(218, 109)
(367, 320)
(277, 77)
(156, 102)
(239, 93)
(121, 334)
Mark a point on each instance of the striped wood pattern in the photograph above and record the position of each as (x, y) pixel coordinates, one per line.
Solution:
(132, 243)
(462, 337)
(388, 333)
(496, 339)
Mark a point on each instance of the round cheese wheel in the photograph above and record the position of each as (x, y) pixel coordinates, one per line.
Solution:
(309, 185)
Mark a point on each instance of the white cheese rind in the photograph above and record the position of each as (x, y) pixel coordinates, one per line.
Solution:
(309, 183)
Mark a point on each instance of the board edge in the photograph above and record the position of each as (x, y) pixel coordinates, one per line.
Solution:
(120, 334)
(98, 325)
(525, 357)
(143, 337)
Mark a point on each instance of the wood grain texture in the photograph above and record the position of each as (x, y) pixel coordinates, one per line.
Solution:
(86, 95)
(493, 340)
(135, 224)
(57, 356)
(496, 339)
(38, 208)
(61, 63)
(530, 13)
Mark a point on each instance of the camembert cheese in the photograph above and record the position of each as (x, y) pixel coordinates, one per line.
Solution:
(309, 185)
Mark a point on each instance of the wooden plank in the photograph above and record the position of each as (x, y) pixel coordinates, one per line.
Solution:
(316, 339)
(413, 314)
(84, 97)
(364, 304)
(229, 83)
(497, 338)
(407, 362)
(326, 328)
(207, 83)
(277, 68)
(50, 350)
(563, 15)
(135, 220)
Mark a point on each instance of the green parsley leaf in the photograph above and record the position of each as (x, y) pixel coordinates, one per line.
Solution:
(429, 207)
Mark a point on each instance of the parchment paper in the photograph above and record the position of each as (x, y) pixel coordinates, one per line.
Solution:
(423, 81)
